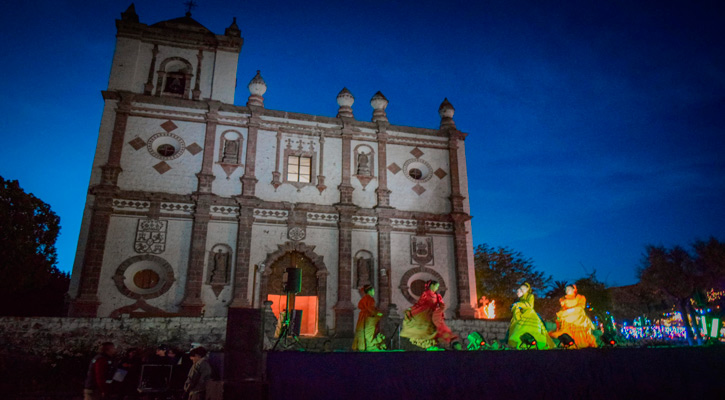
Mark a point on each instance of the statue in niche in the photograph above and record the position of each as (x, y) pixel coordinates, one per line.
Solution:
(363, 164)
(364, 271)
(219, 272)
(231, 152)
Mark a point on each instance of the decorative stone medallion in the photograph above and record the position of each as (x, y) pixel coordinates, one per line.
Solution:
(296, 233)
(144, 277)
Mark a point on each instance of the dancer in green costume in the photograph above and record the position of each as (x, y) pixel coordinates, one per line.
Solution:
(525, 320)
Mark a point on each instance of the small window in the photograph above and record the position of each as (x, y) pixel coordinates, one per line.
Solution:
(166, 150)
(146, 279)
(415, 173)
(299, 169)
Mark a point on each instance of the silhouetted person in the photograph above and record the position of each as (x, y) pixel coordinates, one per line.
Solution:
(100, 373)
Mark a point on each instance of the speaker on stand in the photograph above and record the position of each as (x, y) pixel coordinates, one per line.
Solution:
(292, 319)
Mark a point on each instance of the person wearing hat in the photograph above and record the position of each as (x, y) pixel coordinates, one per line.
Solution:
(199, 374)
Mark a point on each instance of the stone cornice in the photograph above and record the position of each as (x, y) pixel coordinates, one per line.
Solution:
(178, 38)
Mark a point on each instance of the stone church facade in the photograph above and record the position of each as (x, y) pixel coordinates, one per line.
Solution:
(196, 204)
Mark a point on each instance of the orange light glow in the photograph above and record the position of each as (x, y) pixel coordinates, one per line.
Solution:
(486, 308)
(308, 305)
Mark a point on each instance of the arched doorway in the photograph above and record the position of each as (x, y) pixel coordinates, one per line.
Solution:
(308, 300)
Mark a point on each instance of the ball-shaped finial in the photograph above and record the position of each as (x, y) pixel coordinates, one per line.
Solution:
(345, 98)
(379, 102)
(257, 86)
(446, 109)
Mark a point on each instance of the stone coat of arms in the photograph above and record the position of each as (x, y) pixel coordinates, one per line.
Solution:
(150, 236)
(421, 250)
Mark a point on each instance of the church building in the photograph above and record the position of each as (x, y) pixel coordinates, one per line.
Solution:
(196, 204)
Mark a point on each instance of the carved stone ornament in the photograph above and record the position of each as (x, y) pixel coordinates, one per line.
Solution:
(421, 250)
(150, 236)
(296, 233)
(219, 267)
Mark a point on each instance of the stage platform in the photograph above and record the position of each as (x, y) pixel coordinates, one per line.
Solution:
(612, 373)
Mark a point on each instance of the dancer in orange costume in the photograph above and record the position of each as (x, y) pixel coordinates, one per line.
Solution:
(573, 321)
(367, 332)
(425, 324)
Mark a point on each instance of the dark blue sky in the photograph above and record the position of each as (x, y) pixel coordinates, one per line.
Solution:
(595, 128)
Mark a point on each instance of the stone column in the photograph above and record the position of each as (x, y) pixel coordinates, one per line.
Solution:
(249, 180)
(384, 260)
(240, 285)
(344, 309)
(345, 187)
(192, 304)
(460, 218)
(86, 303)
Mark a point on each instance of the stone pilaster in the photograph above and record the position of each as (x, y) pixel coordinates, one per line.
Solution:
(382, 191)
(86, 303)
(244, 245)
(462, 247)
(345, 187)
(384, 260)
(149, 86)
(249, 180)
(192, 304)
(344, 309)
(206, 175)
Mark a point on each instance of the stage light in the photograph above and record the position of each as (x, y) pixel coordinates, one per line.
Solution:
(475, 341)
(566, 341)
(527, 340)
(609, 340)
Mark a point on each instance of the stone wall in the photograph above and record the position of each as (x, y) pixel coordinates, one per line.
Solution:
(81, 335)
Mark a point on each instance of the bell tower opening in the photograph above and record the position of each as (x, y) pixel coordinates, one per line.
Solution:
(306, 301)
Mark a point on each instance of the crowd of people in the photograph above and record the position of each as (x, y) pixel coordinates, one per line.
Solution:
(161, 374)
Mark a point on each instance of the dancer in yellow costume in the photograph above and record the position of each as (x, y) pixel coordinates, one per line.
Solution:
(525, 320)
(573, 321)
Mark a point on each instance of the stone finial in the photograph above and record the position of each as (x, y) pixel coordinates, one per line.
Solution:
(345, 101)
(233, 29)
(257, 87)
(446, 112)
(130, 14)
(379, 103)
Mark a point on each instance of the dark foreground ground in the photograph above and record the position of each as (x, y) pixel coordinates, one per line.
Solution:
(615, 373)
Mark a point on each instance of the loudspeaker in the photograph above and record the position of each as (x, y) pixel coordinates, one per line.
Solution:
(296, 322)
(293, 284)
(243, 350)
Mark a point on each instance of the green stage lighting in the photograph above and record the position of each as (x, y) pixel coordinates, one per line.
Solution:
(475, 341)
(528, 341)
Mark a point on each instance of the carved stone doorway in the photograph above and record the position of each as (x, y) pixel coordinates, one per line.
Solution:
(312, 298)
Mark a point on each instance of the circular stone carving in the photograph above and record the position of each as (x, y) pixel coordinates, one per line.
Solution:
(162, 141)
(417, 287)
(144, 277)
(296, 233)
(412, 283)
(423, 171)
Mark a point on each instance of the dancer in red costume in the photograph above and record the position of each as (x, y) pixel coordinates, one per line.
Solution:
(425, 324)
(367, 332)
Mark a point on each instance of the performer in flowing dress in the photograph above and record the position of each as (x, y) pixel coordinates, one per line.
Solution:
(424, 323)
(367, 331)
(573, 320)
(526, 320)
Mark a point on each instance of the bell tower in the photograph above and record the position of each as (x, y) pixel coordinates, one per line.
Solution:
(175, 58)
